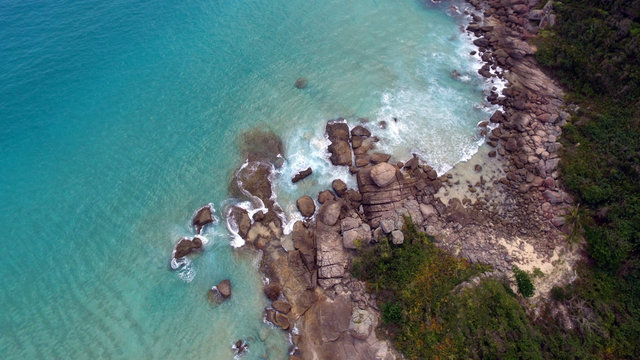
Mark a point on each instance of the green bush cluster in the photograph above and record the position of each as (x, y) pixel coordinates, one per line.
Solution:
(525, 286)
(429, 317)
(594, 50)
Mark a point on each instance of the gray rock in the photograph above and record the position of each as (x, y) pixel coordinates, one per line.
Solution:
(349, 223)
(387, 225)
(427, 210)
(383, 174)
(361, 324)
(553, 197)
(397, 237)
(360, 131)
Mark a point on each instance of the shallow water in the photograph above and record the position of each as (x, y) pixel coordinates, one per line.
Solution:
(119, 119)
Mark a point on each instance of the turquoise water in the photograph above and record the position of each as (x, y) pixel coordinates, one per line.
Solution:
(120, 118)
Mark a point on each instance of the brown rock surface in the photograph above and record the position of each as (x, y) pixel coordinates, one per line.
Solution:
(383, 174)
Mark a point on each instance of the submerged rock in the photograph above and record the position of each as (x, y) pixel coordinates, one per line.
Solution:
(219, 293)
(240, 347)
(186, 246)
(224, 288)
(272, 291)
(203, 216)
(301, 175)
(301, 83)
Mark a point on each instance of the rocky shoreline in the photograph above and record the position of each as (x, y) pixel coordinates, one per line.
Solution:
(504, 207)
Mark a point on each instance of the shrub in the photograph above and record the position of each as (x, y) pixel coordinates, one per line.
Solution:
(525, 286)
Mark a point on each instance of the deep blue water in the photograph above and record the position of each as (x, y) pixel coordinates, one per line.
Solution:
(119, 118)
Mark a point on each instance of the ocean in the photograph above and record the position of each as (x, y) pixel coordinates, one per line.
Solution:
(118, 119)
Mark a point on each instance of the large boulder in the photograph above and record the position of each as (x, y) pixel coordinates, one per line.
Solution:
(278, 319)
(303, 242)
(306, 206)
(224, 288)
(203, 216)
(186, 246)
(339, 187)
(397, 237)
(337, 131)
(378, 158)
(350, 237)
(340, 153)
(329, 213)
(219, 293)
(325, 196)
(301, 175)
(383, 174)
(360, 131)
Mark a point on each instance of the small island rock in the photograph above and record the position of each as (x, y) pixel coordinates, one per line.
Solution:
(186, 246)
(301, 83)
(301, 175)
(203, 216)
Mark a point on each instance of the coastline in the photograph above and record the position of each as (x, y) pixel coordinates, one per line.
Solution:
(502, 207)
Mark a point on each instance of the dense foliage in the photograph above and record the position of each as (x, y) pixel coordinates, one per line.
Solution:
(525, 286)
(428, 316)
(595, 51)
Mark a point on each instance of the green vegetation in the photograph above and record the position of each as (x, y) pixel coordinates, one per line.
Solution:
(595, 51)
(428, 316)
(525, 286)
